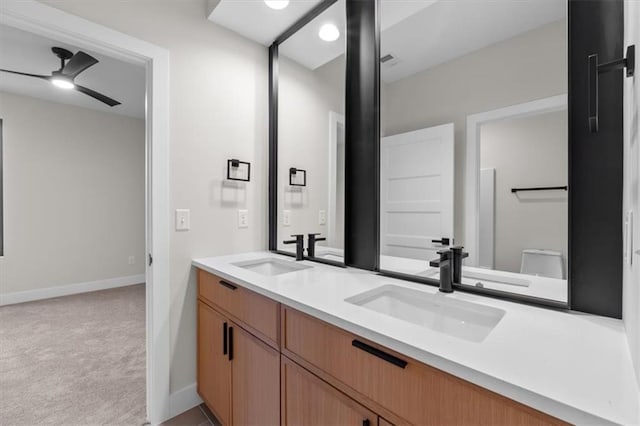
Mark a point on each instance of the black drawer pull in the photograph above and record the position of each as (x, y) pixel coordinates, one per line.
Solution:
(380, 354)
(366, 422)
(224, 339)
(228, 285)
(230, 343)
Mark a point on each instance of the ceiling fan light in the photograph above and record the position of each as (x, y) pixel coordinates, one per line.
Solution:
(277, 4)
(62, 83)
(329, 32)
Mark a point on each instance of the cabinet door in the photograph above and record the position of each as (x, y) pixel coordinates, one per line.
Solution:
(214, 368)
(307, 400)
(256, 380)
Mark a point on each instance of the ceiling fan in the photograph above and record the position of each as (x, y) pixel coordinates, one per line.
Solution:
(70, 66)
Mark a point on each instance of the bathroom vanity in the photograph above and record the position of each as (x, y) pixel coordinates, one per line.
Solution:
(286, 342)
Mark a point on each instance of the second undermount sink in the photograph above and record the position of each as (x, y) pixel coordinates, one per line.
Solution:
(438, 312)
(271, 266)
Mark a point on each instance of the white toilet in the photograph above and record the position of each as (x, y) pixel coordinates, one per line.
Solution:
(544, 263)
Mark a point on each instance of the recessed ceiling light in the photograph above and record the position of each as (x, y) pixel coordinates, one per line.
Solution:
(329, 32)
(62, 83)
(277, 4)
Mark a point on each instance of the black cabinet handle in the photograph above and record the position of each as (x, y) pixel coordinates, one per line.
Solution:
(224, 339)
(366, 422)
(380, 354)
(228, 285)
(230, 343)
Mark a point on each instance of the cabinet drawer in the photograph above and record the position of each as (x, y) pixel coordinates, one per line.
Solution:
(413, 391)
(258, 313)
(307, 400)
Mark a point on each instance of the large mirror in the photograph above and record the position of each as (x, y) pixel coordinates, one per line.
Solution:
(311, 136)
(474, 142)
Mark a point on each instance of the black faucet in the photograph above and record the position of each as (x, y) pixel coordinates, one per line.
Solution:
(457, 256)
(446, 276)
(311, 244)
(450, 264)
(299, 242)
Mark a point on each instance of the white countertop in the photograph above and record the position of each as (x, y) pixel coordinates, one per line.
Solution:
(574, 366)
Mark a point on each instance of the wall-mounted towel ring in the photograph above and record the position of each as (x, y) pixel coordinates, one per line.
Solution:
(594, 72)
(293, 173)
(235, 165)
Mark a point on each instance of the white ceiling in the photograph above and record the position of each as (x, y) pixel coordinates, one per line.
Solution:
(257, 21)
(419, 33)
(27, 52)
(448, 29)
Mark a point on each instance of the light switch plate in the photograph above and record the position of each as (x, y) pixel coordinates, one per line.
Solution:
(322, 217)
(183, 219)
(286, 218)
(243, 218)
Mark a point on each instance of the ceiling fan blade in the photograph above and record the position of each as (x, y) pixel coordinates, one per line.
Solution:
(99, 96)
(78, 63)
(44, 77)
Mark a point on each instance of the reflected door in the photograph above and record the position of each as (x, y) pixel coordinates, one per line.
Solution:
(416, 182)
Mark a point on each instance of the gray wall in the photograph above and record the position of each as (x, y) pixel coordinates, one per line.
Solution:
(305, 98)
(73, 194)
(525, 152)
(219, 110)
(530, 66)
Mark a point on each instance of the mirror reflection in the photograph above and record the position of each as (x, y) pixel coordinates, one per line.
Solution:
(474, 148)
(311, 77)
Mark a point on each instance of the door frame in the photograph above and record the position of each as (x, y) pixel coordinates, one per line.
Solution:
(335, 119)
(38, 18)
(472, 183)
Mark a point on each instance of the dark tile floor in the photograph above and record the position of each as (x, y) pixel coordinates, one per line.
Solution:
(197, 416)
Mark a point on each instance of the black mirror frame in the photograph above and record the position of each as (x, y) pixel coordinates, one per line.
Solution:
(595, 159)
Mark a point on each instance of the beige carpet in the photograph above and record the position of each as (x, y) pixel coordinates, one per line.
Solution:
(74, 360)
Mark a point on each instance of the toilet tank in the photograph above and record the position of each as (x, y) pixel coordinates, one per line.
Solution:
(544, 263)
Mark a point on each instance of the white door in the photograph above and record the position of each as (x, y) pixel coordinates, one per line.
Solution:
(416, 192)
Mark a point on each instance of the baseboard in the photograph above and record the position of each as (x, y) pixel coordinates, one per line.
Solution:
(66, 290)
(184, 400)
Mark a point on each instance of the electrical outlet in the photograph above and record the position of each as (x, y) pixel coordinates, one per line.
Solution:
(243, 218)
(286, 218)
(183, 219)
(132, 260)
(322, 217)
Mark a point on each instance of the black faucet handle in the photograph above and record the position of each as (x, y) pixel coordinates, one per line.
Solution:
(444, 257)
(444, 241)
(298, 238)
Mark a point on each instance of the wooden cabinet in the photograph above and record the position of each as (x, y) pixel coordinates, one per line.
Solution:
(307, 400)
(410, 390)
(238, 373)
(256, 313)
(263, 364)
(214, 368)
(255, 381)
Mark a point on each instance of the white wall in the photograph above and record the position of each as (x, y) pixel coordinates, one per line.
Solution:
(530, 66)
(305, 99)
(218, 110)
(73, 194)
(631, 277)
(525, 152)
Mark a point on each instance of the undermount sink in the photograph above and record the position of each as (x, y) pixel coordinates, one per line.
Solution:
(438, 312)
(271, 266)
